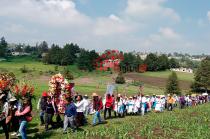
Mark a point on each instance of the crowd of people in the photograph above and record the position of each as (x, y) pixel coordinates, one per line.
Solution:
(77, 107)
(71, 109)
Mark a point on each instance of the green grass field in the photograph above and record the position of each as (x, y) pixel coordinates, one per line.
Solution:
(188, 123)
(165, 74)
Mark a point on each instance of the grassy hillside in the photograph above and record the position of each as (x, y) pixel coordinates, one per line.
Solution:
(189, 123)
(164, 74)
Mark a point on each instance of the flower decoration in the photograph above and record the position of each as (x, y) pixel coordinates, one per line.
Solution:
(57, 84)
(8, 77)
(4, 85)
(23, 91)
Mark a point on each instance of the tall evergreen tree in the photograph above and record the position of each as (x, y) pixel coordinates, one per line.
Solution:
(172, 86)
(163, 63)
(152, 62)
(202, 76)
(55, 55)
(173, 63)
(3, 47)
(70, 52)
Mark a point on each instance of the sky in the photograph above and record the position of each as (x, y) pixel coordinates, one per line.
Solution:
(142, 25)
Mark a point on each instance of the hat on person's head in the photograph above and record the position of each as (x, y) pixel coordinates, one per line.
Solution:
(85, 95)
(1, 96)
(95, 95)
(12, 99)
(119, 95)
(44, 94)
(130, 97)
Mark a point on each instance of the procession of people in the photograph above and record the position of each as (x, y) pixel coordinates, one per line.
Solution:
(71, 109)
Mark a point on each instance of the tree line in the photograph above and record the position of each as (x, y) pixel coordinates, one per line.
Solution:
(153, 62)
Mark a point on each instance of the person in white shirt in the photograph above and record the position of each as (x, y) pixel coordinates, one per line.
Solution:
(118, 106)
(86, 105)
(130, 105)
(143, 104)
(158, 104)
(80, 118)
(136, 105)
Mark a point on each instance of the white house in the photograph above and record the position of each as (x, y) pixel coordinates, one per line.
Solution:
(20, 54)
(186, 70)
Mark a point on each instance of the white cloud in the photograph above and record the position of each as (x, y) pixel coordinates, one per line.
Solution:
(59, 21)
(49, 12)
(208, 15)
(147, 9)
(166, 38)
(169, 33)
(111, 26)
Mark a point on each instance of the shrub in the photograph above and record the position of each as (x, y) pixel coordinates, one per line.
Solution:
(67, 74)
(120, 79)
(24, 69)
(136, 83)
(56, 69)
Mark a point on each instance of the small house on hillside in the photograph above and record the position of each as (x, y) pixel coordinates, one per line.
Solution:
(186, 70)
(20, 54)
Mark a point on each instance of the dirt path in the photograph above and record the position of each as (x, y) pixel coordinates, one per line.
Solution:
(155, 81)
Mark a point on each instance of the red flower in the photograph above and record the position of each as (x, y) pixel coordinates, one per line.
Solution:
(103, 56)
(16, 89)
(113, 51)
(24, 90)
(32, 90)
(108, 52)
(113, 57)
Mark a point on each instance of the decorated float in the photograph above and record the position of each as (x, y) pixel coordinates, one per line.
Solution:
(59, 90)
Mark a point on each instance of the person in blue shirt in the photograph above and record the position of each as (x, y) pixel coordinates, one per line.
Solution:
(69, 116)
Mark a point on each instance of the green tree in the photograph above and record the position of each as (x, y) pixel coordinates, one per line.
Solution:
(163, 63)
(172, 86)
(138, 62)
(152, 62)
(130, 63)
(173, 63)
(67, 74)
(55, 55)
(3, 47)
(83, 61)
(70, 52)
(120, 79)
(202, 76)
(28, 49)
(19, 48)
(43, 47)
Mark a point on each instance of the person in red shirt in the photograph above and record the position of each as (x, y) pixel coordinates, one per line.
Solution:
(97, 106)
(108, 105)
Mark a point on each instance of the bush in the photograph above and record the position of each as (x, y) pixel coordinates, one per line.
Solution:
(67, 74)
(50, 72)
(40, 72)
(120, 79)
(136, 83)
(24, 69)
(56, 69)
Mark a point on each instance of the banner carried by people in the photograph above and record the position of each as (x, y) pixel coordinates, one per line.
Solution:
(110, 89)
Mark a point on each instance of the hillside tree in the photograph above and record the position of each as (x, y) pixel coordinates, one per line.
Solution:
(202, 76)
(152, 62)
(172, 86)
(3, 47)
